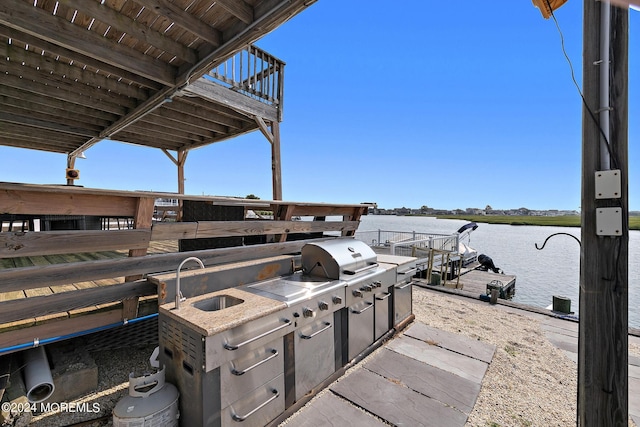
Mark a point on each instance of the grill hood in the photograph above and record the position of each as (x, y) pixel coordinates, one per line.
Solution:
(337, 259)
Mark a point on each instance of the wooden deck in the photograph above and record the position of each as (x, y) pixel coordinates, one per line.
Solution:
(424, 377)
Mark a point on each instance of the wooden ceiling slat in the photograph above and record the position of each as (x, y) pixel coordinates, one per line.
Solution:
(36, 133)
(63, 96)
(45, 103)
(20, 15)
(43, 145)
(143, 131)
(175, 127)
(32, 120)
(95, 64)
(53, 81)
(26, 110)
(83, 77)
(184, 19)
(131, 27)
(193, 121)
(215, 112)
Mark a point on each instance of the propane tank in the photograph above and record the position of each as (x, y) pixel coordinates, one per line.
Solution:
(151, 402)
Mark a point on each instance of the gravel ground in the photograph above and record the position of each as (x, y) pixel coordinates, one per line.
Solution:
(529, 382)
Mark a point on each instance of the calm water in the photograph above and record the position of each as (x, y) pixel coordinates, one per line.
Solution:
(555, 270)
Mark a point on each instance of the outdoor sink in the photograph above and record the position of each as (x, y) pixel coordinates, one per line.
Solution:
(218, 302)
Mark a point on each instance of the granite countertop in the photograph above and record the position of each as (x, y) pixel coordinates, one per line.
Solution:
(209, 323)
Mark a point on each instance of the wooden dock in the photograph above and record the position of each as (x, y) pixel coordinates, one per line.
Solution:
(477, 282)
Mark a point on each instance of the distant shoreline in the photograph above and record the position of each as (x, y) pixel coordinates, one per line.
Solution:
(552, 221)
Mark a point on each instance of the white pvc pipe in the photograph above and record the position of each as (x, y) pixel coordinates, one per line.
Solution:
(605, 30)
(37, 376)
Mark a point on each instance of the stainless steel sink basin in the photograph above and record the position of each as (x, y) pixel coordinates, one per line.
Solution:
(219, 302)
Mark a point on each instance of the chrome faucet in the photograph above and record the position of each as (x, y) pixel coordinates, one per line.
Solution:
(179, 296)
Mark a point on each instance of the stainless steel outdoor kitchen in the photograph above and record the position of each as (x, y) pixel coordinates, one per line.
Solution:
(243, 355)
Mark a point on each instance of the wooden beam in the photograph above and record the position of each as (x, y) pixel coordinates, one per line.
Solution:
(603, 369)
(21, 16)
(237, 8)
(24, 308)
(46, 203)
(19, 244)
(264, 129)
(142, 220)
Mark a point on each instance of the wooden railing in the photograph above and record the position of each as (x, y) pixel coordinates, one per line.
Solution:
(59, 273)
(253, 72)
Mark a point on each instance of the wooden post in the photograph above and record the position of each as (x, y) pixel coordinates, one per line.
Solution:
(276, 164)
(603, 331)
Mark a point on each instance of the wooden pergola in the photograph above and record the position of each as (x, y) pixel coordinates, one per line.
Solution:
(169, 74)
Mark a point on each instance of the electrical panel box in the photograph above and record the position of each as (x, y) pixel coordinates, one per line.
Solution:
(609, 221)
(608, 184)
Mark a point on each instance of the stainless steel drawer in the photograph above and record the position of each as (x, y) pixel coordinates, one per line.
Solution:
(256, 408)
(250, 370)
(229, 345)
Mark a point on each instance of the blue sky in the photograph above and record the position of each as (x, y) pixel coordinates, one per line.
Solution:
(424, 103)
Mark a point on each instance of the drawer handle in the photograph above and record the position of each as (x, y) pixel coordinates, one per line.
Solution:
(274, 353)
(410, 271)
(257, 337)
(241, 418)
(405, 286)
(387, 295)
(308, 337)
(363, 310)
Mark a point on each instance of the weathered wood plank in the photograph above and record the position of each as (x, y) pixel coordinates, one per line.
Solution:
(64, 203)
(16, 279)
(394, 403)
(46, 304)
(22, 244)
(59, 327)
(173, 230)
(250, 228)
(433, 382)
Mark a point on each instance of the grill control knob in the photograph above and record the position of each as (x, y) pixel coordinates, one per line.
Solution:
(377, 284)
(307, 312)
(357, 293)
(323, 305)
(366, 288)
(337, 300)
